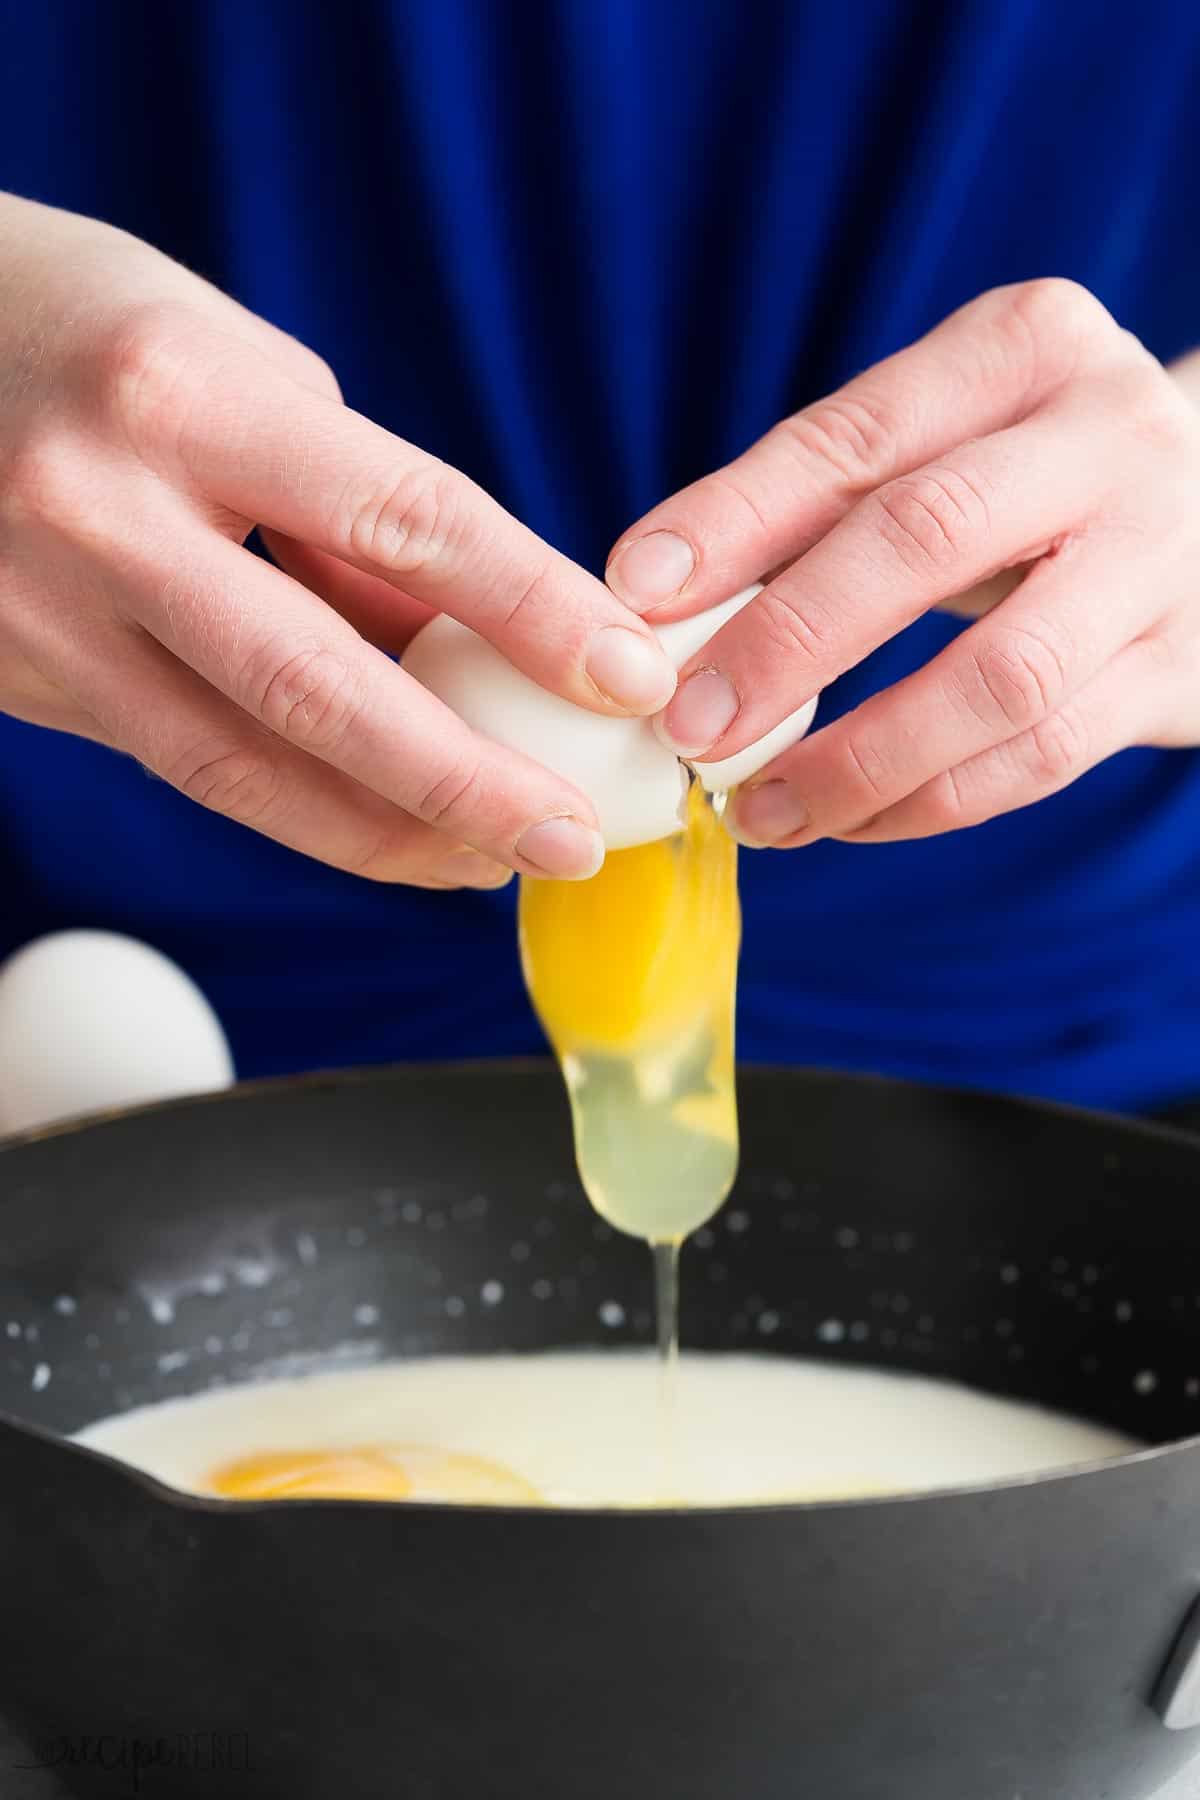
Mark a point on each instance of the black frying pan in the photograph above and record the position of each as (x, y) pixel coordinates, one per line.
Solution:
(1007, 1643)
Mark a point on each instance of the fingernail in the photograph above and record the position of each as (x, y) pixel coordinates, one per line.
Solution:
(470, 868)
(652, 568)
(765, 814)
(702, 711)
(563, 848)
(632, 671)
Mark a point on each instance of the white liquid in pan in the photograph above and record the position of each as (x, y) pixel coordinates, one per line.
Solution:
(573, 1428)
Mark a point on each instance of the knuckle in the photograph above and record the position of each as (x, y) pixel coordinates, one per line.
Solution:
(450, 801)
(1155, 409)
(233, 779)
(1060, 747)
(40, 481)
(324, 377)
(312, 698)
(1133, 355)
(1054, 318)
(931, 519)
(1020, 675)
(148, 368)
(854, 434)
(1165, 654)
(405, 525)
(311, 368)
(1055, 300)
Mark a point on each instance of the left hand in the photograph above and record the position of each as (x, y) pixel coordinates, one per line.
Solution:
(1028, 463)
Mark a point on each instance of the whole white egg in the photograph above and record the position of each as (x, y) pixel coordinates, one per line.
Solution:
(635, 783)
(91, 1020)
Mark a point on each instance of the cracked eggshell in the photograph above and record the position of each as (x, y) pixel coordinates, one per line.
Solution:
(682, 641)
(635, 783)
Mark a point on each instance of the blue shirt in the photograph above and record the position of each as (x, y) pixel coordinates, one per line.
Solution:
(587, 250)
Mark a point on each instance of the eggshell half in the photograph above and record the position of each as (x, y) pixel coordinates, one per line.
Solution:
(682, 641)
(635, 783)
(632, 780)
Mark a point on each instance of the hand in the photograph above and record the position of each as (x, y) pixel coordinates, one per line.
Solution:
(147, 423)
(1028, 461)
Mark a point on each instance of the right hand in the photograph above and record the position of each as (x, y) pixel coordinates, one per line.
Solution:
(147, 424)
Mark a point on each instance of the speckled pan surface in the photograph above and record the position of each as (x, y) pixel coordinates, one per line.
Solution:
(986, 1644)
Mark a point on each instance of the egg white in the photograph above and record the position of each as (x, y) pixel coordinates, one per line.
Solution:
(583, 1426)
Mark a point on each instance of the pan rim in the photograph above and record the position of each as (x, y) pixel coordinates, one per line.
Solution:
(1136, 1125)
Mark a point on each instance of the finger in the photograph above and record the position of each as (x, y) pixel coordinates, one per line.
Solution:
(983, 368)
(377, 610)
(266, 448)
(1005, 675)
(142, 701)
(1109, 714)
(298, 669)
(916, 542)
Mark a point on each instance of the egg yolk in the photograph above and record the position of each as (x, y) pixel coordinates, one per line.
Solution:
(633, 976)
(375, 1473)
(622, 961)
